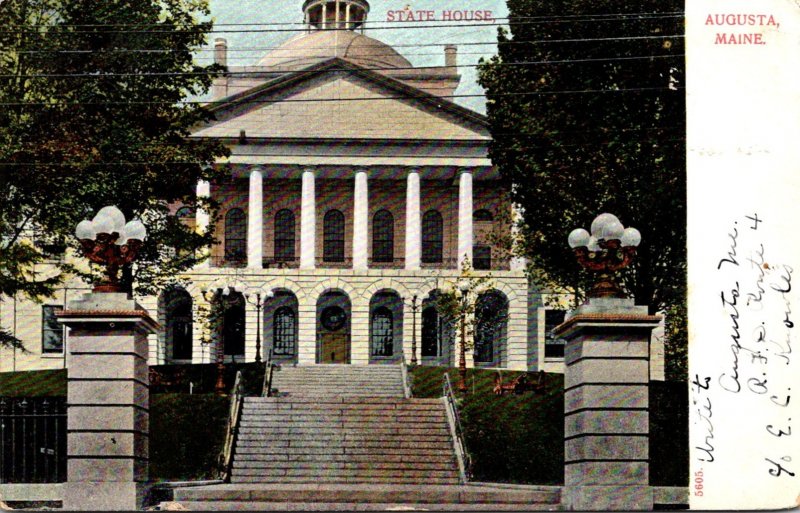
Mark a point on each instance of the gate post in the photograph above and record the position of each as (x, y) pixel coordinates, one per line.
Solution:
(606, 423)
(108, 402)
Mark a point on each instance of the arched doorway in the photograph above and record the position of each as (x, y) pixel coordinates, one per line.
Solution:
(491, 319)
(333, 327)
(437, 335)
(176, 305)
(228, 321)
(385, 327)
(281, 326)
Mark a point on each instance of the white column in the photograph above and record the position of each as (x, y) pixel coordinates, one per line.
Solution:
(324, 16)
(308, 222)
(517, 262)
(347, 16)
(255, 221)
(360, 221)
(413, 228)
(464, 217)
(201, 216)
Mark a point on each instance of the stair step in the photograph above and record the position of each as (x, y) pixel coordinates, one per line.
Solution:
(348, 458)
(358, 451)
(341, 400)
(376, 493)
(318, 465)
(358, 506)
(352, 479)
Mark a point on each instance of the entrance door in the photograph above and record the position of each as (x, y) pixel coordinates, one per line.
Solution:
(333, 348)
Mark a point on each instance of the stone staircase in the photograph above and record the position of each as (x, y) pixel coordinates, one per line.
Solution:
(346, 438)
(338, 380)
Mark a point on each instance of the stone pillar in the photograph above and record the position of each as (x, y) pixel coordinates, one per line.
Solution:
(108, 396)
(606, 423)
(360, 221)
(202, 219)
(255, 221)
(413, 223)
(347, 16)
(464, 217)
(308, 222)
(324, 16)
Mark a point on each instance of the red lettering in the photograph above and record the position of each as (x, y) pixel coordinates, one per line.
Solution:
(390, 15)
(487, 15)
(447, 15)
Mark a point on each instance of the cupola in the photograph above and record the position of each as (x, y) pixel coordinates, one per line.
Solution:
(335, 14)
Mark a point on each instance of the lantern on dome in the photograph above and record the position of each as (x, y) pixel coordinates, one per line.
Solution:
(109, 241)
(609, 248)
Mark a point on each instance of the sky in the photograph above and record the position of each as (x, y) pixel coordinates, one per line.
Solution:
(246, 48)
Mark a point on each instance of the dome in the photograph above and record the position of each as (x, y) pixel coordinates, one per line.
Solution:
(307, 49)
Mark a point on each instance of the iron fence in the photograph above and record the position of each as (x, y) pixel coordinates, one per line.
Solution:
(33, 439)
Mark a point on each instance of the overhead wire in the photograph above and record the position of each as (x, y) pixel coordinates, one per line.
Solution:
(519, 20)
(291, 72)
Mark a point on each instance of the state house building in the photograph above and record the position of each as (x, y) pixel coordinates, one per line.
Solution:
(356, 189)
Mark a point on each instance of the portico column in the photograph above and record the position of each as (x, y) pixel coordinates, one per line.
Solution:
(413, 230)
(360, 221)
(201, 216)
(347, 16)
(464, 217)
(255, 221)
(324, 16)
(308, 222)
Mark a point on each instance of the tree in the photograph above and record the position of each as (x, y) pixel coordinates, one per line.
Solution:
(94, 113)
(586, 108)
(457, 301)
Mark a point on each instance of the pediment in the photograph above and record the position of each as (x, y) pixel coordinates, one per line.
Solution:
(341, 101)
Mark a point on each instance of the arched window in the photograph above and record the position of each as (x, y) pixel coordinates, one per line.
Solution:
(430, 332)
(235, 236)
(284, 332)
(383, 236)
(482, 216)
(382, 330)
(284, 236)
(491, 312)
(233, 324)
(333, 236)
(179, 323)
(432, 237)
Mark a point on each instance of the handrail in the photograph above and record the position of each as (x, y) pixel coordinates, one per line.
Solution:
(226, 457)
(266, 387)
(404, 373)
(453, 418)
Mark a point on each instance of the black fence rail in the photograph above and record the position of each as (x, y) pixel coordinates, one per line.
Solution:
(33, 439)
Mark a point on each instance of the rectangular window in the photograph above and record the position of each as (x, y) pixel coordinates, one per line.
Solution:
(52, 330)
(482, 257)
(553, 348)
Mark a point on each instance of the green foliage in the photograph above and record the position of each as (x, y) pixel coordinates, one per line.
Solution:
(457, 299)
(587, 115)
(34, 383)
(511, 438)
(92, 115)
(186, 435)
(203, 377)
(520, 438)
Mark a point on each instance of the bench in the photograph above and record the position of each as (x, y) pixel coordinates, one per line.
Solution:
(518, 385)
